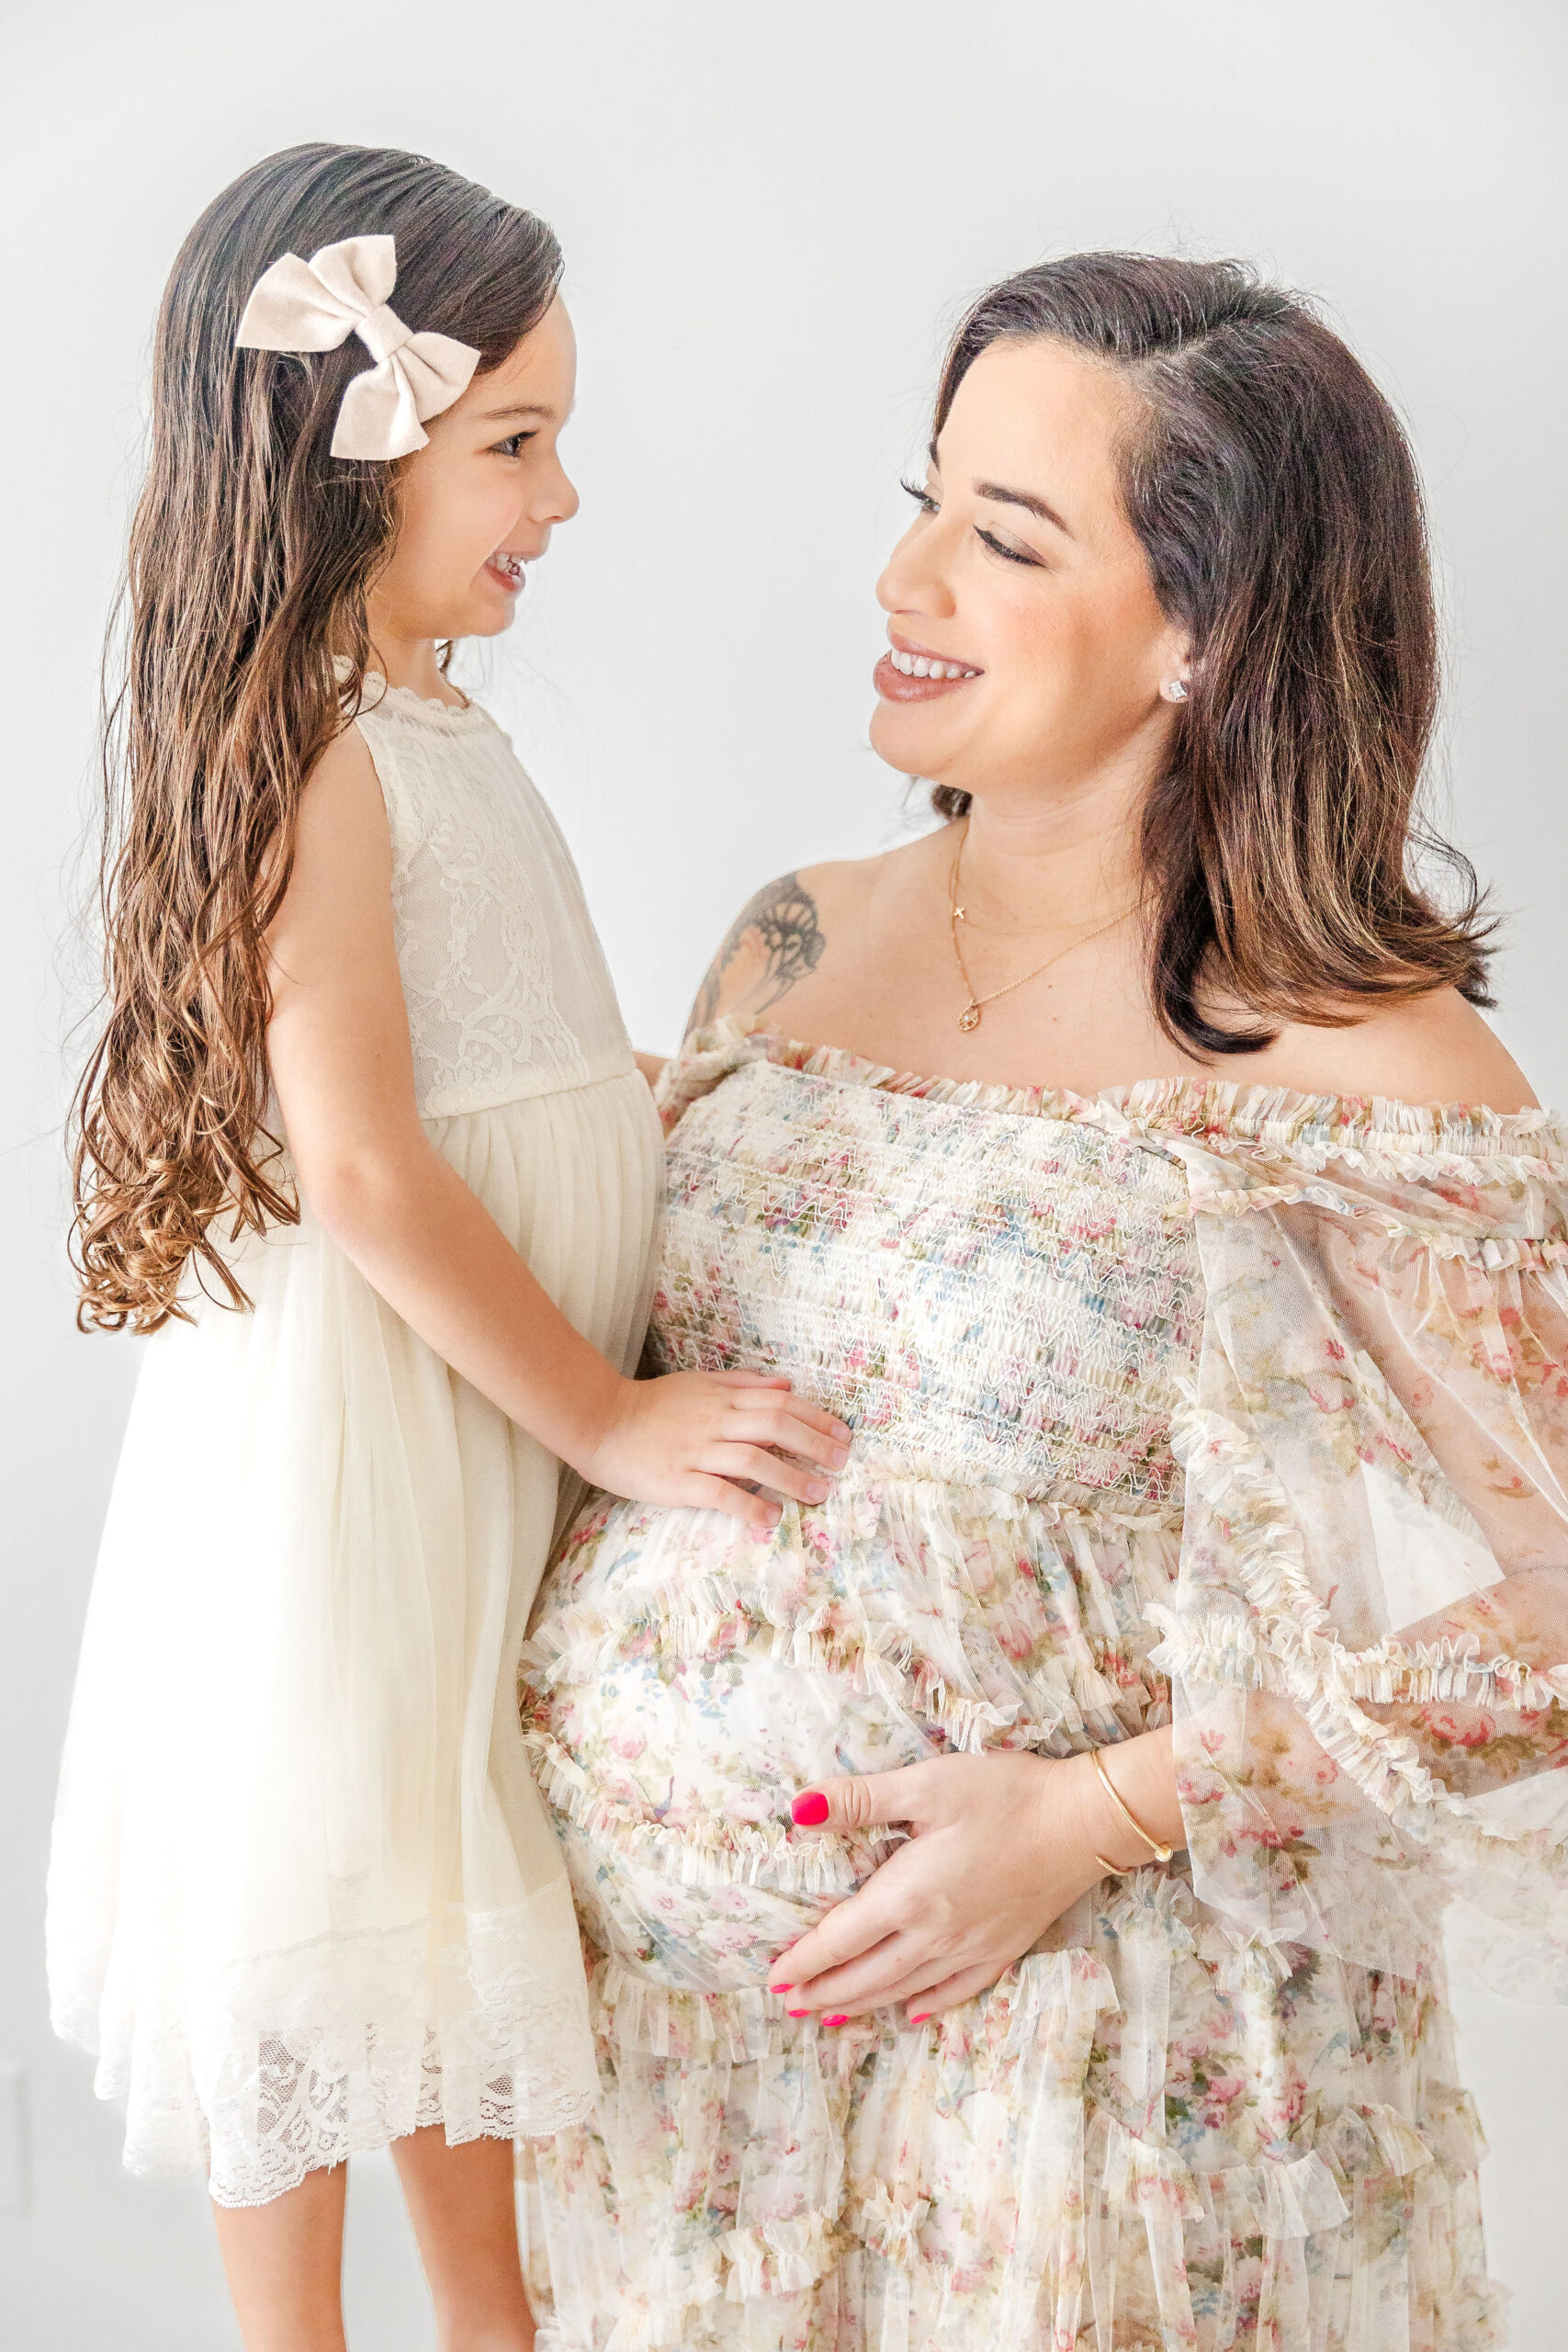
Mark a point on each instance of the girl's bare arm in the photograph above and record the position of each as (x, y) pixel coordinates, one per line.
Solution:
(343, 1067)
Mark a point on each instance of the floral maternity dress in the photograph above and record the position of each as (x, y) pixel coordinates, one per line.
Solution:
(1181, 1397)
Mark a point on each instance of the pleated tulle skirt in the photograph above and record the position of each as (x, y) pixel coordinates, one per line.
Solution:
(304, 1896)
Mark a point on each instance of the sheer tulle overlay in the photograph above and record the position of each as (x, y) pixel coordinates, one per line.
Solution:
(304, 1895)
(1130, 1431)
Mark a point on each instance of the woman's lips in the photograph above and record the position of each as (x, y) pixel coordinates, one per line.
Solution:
(893, 685)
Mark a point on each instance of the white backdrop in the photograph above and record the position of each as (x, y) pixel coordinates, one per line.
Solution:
(770, 214)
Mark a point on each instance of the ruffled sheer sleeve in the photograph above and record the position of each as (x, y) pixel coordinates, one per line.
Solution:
(1369, 1635)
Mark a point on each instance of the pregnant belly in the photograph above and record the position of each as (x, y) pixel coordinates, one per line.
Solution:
(670, 1734)
(686, 1680)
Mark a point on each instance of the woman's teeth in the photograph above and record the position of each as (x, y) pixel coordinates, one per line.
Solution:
(509, 566)
(920, 665)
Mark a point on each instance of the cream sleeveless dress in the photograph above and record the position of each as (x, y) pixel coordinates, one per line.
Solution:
(304, 1896)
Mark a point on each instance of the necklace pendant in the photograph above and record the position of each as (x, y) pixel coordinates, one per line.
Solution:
(970, 1017)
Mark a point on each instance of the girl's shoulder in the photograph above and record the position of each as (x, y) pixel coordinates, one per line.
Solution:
(342, 806)
(339, 862)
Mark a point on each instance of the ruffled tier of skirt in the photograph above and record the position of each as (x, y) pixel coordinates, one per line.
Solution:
(756, 2183)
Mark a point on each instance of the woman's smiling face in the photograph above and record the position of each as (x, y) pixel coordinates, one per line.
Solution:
(1022, 574)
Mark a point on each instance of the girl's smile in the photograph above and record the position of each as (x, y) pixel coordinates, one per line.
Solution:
(508, 571)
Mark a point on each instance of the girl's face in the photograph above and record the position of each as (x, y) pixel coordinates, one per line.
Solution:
(1022, 573)
(481, 499)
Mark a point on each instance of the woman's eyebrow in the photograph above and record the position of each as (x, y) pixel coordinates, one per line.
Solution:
(1024, 498)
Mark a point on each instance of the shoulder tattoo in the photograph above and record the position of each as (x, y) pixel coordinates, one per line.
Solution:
(781, 928)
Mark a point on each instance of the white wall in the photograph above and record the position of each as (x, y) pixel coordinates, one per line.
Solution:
(769, 215)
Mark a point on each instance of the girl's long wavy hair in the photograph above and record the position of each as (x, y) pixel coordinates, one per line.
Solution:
(1278, 501)
(252, 555)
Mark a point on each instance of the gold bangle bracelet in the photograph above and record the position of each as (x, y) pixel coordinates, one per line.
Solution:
(1161, 1853)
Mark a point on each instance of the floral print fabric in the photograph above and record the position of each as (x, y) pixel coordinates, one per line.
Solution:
(1218, 2107)
(1369, 1634)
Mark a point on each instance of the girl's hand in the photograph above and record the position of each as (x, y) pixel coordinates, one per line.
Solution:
(1000, 1845)
(692, 1437)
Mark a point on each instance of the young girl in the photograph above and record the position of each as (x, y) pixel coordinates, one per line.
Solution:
(364, 1147)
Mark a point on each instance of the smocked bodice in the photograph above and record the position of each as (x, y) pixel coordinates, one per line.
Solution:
(507, 989)
(988, 1296)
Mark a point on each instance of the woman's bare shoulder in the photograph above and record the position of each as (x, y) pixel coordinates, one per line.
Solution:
(1436, 1048)
(784, 930)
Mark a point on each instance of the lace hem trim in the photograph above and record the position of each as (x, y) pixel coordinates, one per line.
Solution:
(298, 2058)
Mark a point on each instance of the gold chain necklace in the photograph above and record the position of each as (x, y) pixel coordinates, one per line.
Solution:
(970, 1017)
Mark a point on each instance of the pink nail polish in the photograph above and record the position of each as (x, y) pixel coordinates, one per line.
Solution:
(780, 1988)
(842, 2020)
(921, 2017)
(800, 2013)
(809, 1811)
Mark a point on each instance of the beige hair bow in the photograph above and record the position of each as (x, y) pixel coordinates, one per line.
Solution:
(316, 305)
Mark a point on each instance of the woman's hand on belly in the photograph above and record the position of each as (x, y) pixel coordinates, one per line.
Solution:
(1000, 1845)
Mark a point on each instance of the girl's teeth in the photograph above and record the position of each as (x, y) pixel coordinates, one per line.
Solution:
(921, 665)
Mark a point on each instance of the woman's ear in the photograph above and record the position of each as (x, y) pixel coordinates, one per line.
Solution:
(1175, 666)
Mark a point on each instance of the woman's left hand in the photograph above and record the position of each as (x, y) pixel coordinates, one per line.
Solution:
(999, 1846)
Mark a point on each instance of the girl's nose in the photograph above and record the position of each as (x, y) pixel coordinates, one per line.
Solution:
(559, 501)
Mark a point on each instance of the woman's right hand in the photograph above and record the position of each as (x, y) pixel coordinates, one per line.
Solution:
(691, 1437)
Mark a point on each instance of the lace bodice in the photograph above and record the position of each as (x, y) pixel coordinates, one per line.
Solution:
(507, 989)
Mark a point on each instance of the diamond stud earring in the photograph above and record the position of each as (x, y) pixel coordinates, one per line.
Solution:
(1175, 690)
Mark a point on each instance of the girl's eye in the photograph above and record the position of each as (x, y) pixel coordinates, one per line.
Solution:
(922, 498)
(999, 547)
(513, 445)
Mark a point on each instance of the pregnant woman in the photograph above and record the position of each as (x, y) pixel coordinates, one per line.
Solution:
(1017, 1878)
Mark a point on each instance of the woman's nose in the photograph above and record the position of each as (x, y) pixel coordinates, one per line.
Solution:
(914, 578)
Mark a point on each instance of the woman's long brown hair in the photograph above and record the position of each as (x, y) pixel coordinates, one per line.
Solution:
(252, 554)
(1277, 499)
